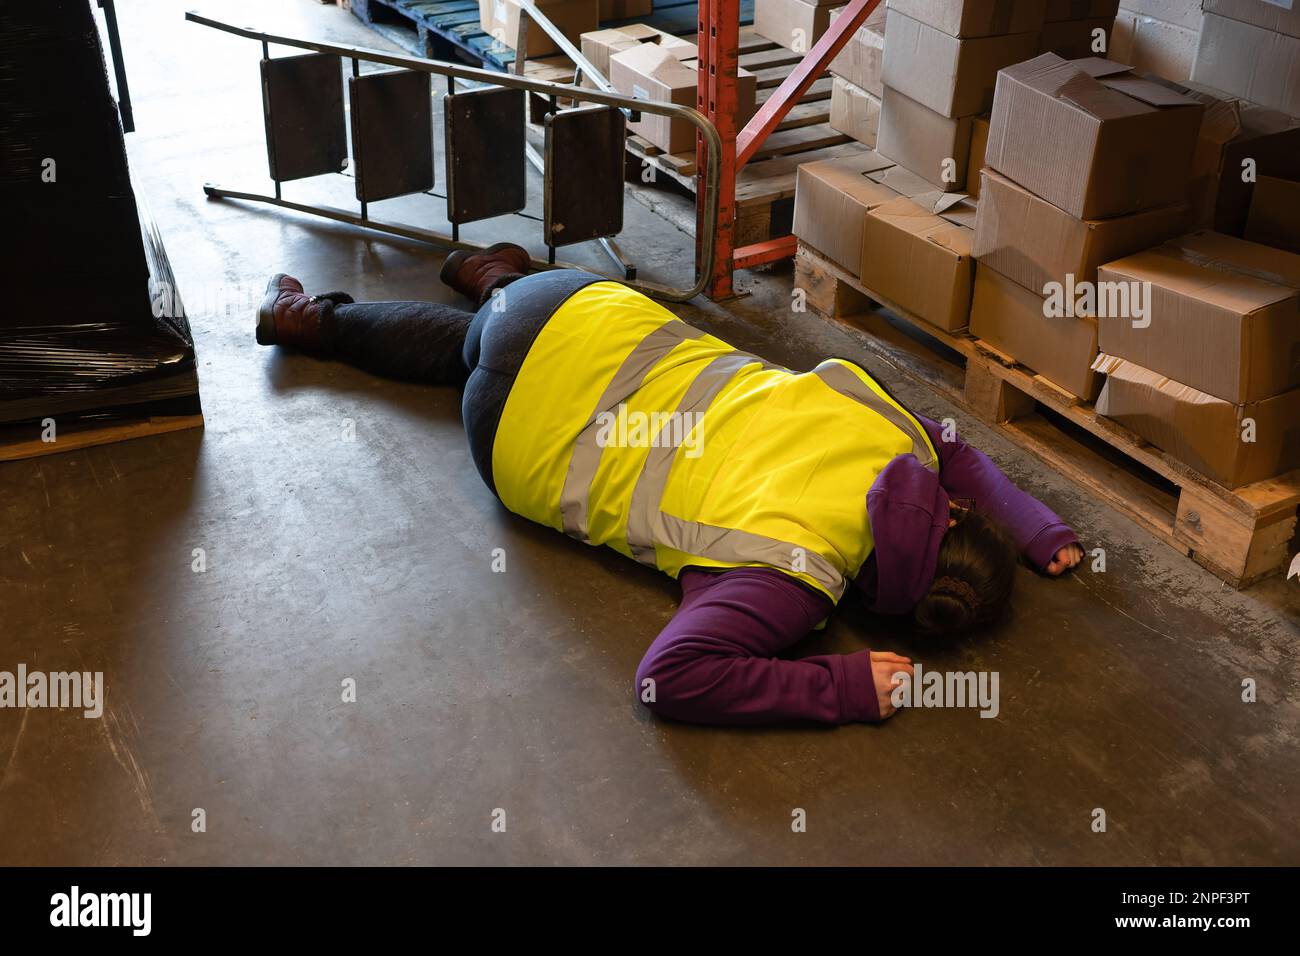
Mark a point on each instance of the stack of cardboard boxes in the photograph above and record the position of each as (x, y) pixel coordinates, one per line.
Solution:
(1082, 245)
(907, 241)
(1239, 144)
(1210, 373)
(1110, 179)
(1251, 49)
(1078, 28)
(940, 65)
(649, 64)
(795, 24)
(599, 45)
(858, 86)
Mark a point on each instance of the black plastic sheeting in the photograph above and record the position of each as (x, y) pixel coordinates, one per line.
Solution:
(78, 329)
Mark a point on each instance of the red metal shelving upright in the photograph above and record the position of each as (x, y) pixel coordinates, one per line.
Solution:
(719, 43)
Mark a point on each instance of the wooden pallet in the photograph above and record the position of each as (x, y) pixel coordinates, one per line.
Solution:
(450, 29)
(765, 186)
(24, 441)
(1241, 534)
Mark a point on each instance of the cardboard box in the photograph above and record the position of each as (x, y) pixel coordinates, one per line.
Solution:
(1212, 322)
(1118, 143)
(931, 145)
(794, 24)
(1014, 320)
(1232, 133)
(831, 201)
(919, 259)
(975, 18)
(1154, 46)
(862, 58)
(1275, 214)
(950, 76)
(916, 254)
(979, 141)
(1200, 430)
(624, 9)
(1058, 10)
(1032, 242)
(1183, 13)
(1280, 16)
(1077, 38)
(650, 71)
(500, 19)
(1248, 61)
(599, 45)
(854, 112)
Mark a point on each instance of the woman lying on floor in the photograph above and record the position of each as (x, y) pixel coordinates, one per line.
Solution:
(766, 493)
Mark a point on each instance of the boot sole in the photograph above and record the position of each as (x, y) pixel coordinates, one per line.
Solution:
(266, 311)
(451, 265)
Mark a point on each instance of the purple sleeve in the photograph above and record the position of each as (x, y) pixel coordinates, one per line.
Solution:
(715, 661)
(970, 477)
(908, 510)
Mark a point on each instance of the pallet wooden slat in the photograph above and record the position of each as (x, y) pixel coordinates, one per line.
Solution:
(19, 444)
(1240, 534)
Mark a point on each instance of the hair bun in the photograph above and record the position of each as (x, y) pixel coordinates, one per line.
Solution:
(959, 590)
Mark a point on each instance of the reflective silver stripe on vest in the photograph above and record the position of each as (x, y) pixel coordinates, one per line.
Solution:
(653, 480)
(849, 385)
(733, 546)
(585, 458)
(648, 525)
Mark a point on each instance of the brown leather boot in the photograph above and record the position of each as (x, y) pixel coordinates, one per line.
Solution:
(288, 316)
(473, 274)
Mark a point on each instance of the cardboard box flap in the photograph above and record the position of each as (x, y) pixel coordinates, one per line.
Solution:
(963, 213)
(1222, 120)
(956, 208)
(906, 215)
(1153, 94)
(946, 201)
(656, 62)
(872, 162)
(901, 180)
(1135, 374)
(1097, 67)
(1042, 72)
(637, 31)
(1097, 99)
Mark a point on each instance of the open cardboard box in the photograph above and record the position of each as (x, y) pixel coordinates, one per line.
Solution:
(1118, 143)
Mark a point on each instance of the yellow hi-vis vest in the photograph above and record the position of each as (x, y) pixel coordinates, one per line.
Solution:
(629, 428)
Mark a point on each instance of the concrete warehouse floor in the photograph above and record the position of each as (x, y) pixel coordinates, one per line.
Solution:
(370, 560)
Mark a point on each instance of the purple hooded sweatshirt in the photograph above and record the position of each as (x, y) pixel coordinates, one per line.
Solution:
(716, 660)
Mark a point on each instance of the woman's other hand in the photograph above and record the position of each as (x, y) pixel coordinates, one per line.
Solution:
(1065, 559)
(884, 665)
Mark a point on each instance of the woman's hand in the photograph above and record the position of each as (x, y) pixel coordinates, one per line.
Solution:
(884, 665)
(1065, 559)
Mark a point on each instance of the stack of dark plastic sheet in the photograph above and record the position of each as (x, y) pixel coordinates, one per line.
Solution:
(91, 326)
